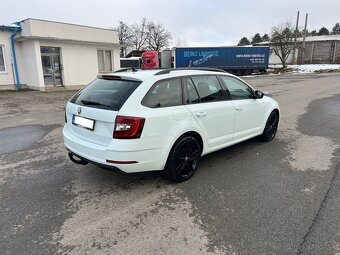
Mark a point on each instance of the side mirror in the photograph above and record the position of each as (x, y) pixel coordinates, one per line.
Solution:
(258, 94)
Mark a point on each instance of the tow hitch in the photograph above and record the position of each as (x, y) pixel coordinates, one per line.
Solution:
(76, 159)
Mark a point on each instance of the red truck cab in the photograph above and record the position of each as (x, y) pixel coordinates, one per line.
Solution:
(150, 59)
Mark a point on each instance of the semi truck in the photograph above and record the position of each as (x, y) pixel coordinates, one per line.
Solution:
(147, 60)
(237, 60)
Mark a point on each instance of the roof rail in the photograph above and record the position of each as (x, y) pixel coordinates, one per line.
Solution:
(125, 69)
(166, 71)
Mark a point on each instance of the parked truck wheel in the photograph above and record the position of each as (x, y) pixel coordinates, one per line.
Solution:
(248, 71)
(239, 72)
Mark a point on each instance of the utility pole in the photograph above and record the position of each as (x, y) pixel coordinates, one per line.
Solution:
(296, 31)
(304, 39)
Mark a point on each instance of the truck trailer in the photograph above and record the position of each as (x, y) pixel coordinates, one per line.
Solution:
(237, 60)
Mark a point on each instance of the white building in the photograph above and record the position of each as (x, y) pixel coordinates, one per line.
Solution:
(324, 49)
(50, 53)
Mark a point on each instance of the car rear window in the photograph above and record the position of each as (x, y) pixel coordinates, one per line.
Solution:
(108, 94)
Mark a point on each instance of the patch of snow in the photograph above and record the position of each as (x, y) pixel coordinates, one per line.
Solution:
(312, 68)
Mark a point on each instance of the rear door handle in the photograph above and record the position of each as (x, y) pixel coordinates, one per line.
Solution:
(239, 108)
(200, 114)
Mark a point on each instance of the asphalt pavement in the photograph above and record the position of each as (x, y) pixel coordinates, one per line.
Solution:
(281, 197)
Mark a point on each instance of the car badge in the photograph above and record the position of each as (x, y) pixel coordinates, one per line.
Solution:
(79, 110)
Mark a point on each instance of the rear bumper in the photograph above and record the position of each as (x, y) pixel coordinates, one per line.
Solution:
(149, 159)
(84, 161)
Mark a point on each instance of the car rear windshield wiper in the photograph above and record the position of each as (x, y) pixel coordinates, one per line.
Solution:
(88, 102)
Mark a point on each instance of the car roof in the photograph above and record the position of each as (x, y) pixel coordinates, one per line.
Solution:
(144, 75)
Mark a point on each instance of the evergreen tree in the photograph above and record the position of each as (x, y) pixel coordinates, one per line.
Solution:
(336, 29)
(265, 38)
(323, 31)
(244, 41)
(313, 33)
(256, 39)
(299, 33)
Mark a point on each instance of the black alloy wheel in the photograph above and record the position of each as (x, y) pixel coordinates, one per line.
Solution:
(183, 159)
(271, 127)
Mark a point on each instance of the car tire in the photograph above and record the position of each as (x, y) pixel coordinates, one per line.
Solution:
(183, 159)
(270, 129)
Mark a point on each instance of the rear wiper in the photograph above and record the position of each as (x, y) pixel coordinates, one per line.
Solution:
(88, 102)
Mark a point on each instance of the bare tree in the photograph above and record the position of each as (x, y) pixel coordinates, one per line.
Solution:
(282, 41)
(158, 36)
(124, 36)
(139, 35)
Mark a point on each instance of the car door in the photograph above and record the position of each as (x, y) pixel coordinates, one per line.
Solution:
(214, 113)
(249, 111)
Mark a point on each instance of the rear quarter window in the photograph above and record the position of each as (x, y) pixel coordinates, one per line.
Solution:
(108, 94)
(164, 93)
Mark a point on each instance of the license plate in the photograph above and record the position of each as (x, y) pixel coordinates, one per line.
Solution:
(84, 122)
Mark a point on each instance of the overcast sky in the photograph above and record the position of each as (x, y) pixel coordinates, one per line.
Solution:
(199, 23)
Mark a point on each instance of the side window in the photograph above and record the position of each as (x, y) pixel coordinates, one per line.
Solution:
(192, 92)
(2, 59)
(164, 93)
(237, 89)
(209, 88)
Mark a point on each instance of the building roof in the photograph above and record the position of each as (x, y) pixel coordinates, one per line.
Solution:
(321, 38)
(9, 27)
(318, 38)
(58, 31)
(64, 23)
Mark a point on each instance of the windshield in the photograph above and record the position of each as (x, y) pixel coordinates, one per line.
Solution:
(108, 94)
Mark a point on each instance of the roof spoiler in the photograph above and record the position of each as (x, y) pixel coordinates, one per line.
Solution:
(117, 77)
(133, 69)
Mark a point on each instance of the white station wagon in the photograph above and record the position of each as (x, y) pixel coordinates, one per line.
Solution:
(165, 120)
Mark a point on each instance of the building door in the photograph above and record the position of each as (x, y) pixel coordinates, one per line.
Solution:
(50, 58)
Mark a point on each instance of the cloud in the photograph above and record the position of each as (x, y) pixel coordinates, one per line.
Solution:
(209, 23)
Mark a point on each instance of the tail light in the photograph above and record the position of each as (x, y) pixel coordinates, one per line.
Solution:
(128, 127)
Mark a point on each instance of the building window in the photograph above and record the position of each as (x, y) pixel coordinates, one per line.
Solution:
(2, 60)
(104, 61)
